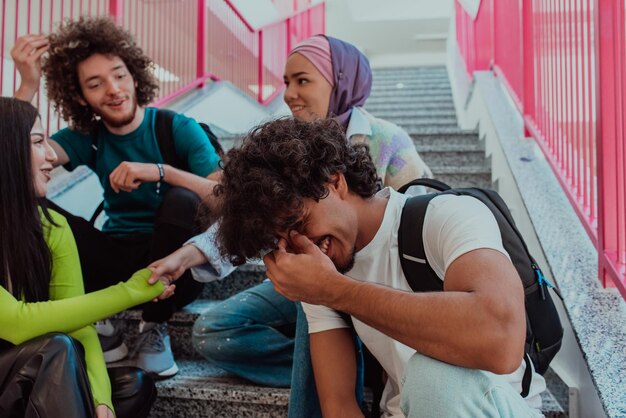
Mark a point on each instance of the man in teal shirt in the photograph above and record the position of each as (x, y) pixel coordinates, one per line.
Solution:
(101, 82)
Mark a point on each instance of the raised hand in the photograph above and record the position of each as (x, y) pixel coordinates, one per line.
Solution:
(26, 54)
(301, 271)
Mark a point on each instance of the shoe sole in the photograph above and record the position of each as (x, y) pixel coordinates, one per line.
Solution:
(116, 354)
(165, 374)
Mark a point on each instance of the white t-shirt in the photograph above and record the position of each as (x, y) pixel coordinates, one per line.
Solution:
(453, 226)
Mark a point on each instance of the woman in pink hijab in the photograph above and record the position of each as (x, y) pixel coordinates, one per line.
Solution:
(326, 77)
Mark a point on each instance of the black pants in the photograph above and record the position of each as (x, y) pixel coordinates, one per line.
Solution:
(108, 259)
(47, 377)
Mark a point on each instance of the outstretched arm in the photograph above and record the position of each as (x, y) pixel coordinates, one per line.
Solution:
(477, 322)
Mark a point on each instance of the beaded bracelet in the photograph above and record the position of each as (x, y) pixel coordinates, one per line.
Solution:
(161, 177)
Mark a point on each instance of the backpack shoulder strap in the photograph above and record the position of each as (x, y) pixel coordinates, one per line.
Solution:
(426, 182)
(418, 273)
(164, 130)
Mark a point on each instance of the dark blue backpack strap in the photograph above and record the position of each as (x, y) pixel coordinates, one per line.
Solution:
(426, 182)
(164, 131)
(420, 276)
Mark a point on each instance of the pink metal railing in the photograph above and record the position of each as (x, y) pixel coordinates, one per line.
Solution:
(20, 17)
(563, 64)
(254, 58)
(190, 41)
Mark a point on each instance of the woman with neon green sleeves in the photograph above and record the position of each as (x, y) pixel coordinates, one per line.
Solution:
(51, 362)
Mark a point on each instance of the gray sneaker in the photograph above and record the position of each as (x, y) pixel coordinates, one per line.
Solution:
(153, 351)
(112, 342)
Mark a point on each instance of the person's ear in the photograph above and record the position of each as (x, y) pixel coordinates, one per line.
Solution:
(339, 184)
(82, 101)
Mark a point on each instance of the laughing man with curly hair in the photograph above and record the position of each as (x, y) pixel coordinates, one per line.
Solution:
(301, 191)
(101, 82)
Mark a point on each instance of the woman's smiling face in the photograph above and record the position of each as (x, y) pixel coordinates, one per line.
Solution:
(307, 92)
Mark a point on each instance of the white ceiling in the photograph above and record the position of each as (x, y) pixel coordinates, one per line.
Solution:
(377, 10)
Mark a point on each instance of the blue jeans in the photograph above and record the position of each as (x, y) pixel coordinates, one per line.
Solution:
(241, 335)
(434, 389)
(249, 335)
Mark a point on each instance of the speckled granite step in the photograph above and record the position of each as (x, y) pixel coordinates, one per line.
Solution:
(202, 391)
(408, 107)
(409, 122)
(452, 137)
(396, 92)
(426, 96)
(417, 113)
(440, 158)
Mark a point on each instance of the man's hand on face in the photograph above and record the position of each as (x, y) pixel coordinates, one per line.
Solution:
(300, 271)
(128, 176)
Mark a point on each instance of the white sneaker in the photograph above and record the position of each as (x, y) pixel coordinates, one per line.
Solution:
(153, 351)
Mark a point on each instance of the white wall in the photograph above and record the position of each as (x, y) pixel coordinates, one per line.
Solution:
(393, 32)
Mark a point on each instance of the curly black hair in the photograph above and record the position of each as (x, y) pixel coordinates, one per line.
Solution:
(74, 42)
(279, 164)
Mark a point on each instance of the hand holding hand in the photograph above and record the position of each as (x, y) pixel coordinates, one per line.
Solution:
(301, 271)
(128, 176)
(167, 283)
(26, 54)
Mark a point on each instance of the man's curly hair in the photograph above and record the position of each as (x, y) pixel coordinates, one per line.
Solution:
(279, 164)
(74, 42)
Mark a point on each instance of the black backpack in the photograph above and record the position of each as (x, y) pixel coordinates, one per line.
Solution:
(544, 332)
(164, 130)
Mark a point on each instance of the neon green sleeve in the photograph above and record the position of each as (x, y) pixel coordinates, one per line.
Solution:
(70, 310)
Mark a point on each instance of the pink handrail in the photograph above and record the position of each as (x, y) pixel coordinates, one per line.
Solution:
(187, 55)
(563, 65)
(265, 47)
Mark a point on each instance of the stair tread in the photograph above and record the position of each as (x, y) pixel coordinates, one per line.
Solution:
(200, 380)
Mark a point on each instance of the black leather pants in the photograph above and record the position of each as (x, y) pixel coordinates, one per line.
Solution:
(46, 377)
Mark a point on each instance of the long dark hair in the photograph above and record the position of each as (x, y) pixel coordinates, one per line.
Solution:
(25, 260)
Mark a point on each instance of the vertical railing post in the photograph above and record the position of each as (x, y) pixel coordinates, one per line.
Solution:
(528, 62)
(115, 10)
(3, 40)
(201, 40)
(607, 204)
(288, 26)
(260, 68)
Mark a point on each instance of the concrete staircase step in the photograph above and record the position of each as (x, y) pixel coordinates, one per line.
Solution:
(438, 158)
(439, 72)
(407, 108)
(407, 77)
(200, 390)
(394, 96)
(409, 83)
(470, 147)
(404, 92)
(397, 114)
(451, 138)
(408, 122)
(405, 100)
(415, 129)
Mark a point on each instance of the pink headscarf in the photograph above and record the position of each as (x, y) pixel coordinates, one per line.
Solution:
(344, 67)
(317, 50)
